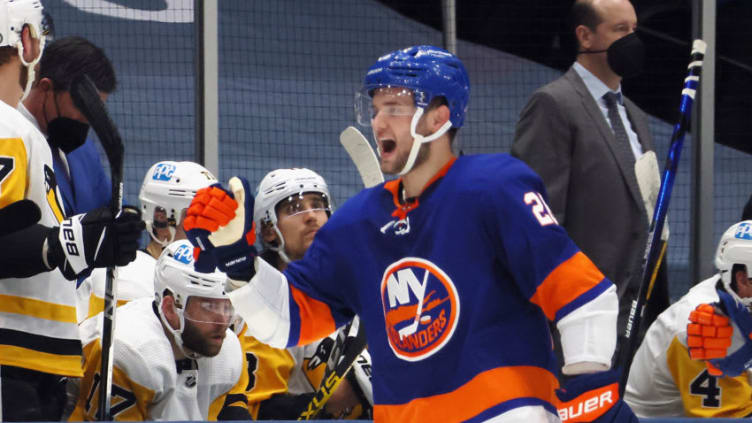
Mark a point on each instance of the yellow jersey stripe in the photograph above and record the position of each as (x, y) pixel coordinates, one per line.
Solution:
(37, 308)
(66, 365)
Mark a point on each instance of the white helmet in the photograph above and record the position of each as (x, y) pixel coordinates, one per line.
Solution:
(279, 185)
(171, 186)
(735, 247)
(14, 15)
(174, 272)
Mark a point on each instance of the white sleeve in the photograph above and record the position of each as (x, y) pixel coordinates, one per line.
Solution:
(264, 304)
(588, 334)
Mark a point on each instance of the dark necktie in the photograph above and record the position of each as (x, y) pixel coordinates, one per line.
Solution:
(622, 140)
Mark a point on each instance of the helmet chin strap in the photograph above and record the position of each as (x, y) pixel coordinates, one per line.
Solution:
(419, 140)
(157, 240)
(280, 249)
(30, 72)
(177, 334)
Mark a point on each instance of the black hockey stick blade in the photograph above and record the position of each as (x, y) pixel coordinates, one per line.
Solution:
(18, 215)
(86, 98)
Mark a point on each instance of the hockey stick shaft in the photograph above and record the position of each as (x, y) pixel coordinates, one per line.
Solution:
(349, 350)
(86, 98)
(654, 249)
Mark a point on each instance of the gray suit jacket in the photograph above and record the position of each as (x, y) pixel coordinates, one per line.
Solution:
(591, 183)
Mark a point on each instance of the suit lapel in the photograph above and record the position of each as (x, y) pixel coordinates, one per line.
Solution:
(625, 162)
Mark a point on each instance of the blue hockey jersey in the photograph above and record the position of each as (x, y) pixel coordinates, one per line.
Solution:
(454, 289)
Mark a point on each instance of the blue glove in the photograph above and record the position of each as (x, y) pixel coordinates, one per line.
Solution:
(219, 223)
(594, 398)
(740, 359)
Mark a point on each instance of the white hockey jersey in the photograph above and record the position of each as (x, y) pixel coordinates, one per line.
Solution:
(38, 327)
(664, 381)
(146, 382)
(134, 280)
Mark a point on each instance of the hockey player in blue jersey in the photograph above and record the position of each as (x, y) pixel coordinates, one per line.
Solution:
(455, 269)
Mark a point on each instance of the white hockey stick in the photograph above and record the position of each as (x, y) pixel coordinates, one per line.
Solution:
(362, 155)
(347, 347)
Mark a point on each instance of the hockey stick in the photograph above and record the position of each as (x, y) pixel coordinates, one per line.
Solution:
(86, 98)
(362, 155)
(346, 350)
(654, 252)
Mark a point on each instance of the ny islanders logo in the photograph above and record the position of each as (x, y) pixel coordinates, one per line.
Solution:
(421, 308)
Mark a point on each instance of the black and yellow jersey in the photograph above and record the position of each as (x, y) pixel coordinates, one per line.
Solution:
(38, 329)
(665, 382)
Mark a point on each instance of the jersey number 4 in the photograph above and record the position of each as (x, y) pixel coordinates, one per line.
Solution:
(539, 208)
(706, 386)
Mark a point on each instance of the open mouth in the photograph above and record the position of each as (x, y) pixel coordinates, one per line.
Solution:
(387, 146)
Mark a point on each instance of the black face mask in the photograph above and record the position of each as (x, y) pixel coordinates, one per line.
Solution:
(626, 56)
(66, 134)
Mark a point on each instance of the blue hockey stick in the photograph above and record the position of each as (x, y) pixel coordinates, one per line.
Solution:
(655, 249)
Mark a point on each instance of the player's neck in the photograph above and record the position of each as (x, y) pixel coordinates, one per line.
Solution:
(415, 181)
(10, 89)
(154, 249)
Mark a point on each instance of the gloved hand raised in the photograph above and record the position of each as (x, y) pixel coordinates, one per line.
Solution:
(219, 223)
(593, 398)
(724, 342)
(94, 239)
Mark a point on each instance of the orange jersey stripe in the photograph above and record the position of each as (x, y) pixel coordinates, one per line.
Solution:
(568, 281)
(482, 392)
(316, 320)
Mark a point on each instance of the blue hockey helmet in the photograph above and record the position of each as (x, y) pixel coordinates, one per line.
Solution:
(429, 72)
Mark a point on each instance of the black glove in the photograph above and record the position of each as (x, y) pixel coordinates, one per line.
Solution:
(94, 239)
(18, 215)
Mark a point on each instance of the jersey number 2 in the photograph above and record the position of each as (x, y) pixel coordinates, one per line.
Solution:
(706, 386)
(540, 208)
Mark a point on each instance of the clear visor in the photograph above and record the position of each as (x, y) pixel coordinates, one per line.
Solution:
(365, 112)
(297, 205)
(209, 310)
(162, 218)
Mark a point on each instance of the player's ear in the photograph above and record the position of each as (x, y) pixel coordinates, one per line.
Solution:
(45, 84)
(437, 117)
(268, 234)
(30, 45)
(168, 309)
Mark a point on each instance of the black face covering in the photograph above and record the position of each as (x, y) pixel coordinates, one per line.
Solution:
(626, 56)
(66, 134)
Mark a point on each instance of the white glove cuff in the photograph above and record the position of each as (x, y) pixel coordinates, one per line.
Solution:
(264, 304)
(71, 237)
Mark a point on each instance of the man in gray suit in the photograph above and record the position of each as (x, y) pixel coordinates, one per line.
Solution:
(583, 137)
